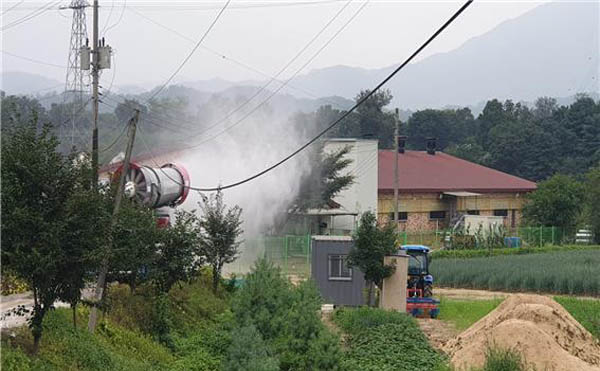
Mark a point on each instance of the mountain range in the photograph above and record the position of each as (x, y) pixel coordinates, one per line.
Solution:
(552, 50)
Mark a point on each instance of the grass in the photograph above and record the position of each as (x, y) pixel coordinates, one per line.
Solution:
(463, 313)
(569, 272)
(124, 338)
(585, 311)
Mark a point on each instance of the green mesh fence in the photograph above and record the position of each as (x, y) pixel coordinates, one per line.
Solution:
(290, 252)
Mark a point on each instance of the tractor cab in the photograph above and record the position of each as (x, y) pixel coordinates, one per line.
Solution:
(418, 270)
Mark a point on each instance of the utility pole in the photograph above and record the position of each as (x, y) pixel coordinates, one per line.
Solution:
(95, 70)
(98, 293)
(397, 151)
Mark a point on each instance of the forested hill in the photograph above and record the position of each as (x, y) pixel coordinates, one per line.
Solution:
(533, 143)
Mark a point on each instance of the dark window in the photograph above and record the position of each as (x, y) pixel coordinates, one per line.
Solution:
(437, 215)
(338, 268)
(402, 216)
(473, 212)
(501, 212)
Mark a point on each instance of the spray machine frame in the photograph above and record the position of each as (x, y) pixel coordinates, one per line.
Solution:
(157, 188)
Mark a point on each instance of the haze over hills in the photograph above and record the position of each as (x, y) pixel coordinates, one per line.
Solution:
(552, 50)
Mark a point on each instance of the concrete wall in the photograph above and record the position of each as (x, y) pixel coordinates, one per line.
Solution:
(362, 195)
(335, 292)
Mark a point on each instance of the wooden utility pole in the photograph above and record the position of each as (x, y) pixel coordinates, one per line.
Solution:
(95, 70)
(397, 147)
(118, 197)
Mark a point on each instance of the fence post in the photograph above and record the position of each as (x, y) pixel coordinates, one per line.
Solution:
(285, 256)
(553, 235)
(308, 253)
(541, 234)
(405, 237)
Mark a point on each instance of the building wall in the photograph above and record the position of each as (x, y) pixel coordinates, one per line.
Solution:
(362, 195)
(419, 205)
(335, 292)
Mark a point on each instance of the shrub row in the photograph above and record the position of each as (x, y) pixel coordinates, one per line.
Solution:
(382, 340)
(567, 272)
(479, 253)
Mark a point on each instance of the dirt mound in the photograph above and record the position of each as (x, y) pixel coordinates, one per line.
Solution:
(544, 332)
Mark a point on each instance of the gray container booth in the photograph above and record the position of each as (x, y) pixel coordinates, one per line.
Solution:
(337, 283)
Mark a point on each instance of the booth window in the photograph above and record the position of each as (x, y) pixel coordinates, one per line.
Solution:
(338, 268)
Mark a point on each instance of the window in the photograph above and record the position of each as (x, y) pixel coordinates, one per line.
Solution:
(473, 212)
(501, 212)
(402, 216)
(338, 268)
(437, 215)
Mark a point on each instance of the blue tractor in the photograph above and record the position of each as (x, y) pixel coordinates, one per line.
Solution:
(419, 299)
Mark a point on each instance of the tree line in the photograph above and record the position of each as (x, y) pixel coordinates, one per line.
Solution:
(530, 142)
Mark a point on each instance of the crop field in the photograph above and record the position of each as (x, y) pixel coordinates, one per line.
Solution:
(569, 272)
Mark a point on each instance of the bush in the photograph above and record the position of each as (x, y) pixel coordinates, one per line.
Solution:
(13, 359)
(11, 284)
(382, 340)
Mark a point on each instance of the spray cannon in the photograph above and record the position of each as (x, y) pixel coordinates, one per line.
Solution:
(157, 188)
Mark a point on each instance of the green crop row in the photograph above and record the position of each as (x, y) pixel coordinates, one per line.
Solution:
(479, 253)
(382, 340)
(565, 272)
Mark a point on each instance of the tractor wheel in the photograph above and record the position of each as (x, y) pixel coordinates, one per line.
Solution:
(427, 291)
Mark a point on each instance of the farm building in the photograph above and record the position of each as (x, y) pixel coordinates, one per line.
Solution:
(435, 189)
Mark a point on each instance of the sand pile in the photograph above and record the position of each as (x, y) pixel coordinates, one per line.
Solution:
(547, 336)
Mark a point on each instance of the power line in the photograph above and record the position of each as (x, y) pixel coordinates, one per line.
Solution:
(285, 67)
(12, 7)
(191, 52)
(32, 60)
(105, 31)
(346, 114)
(274, 92)
(31, 15)
(272, 78)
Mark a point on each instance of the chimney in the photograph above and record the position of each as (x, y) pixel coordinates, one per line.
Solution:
(431, 145)
(401, 143)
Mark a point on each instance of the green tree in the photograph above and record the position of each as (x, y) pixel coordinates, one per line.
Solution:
(287, 318)
(592, 196)
(248, 352)
(372, 242)
(220, 228)
(325, 179)
(41, 199)
(557, 202)
(178, 256)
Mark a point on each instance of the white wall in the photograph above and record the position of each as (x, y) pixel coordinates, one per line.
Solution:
(362, 195)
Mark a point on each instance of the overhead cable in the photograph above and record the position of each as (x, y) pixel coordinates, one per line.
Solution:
(347, 113)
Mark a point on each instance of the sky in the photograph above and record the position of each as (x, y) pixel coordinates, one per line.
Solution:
(151, 38)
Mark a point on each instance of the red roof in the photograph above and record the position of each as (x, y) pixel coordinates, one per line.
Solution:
(422, 172)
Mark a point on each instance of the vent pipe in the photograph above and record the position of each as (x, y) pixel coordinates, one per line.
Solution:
(431, 144)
